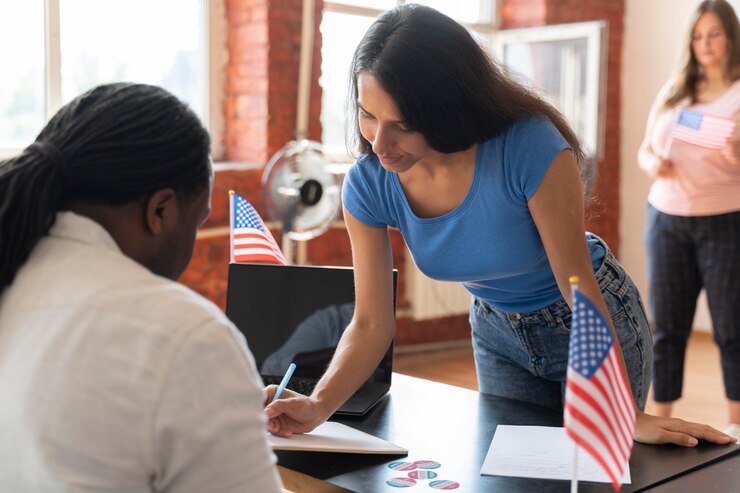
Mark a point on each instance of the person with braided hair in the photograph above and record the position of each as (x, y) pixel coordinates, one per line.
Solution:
(113, 377)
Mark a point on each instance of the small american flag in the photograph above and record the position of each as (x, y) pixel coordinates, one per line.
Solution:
(703, 130)
(599, 410)
(251, 241)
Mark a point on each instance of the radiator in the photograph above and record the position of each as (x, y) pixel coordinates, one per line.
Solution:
(433, 299)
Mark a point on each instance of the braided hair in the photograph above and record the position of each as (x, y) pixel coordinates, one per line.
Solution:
(113, 145)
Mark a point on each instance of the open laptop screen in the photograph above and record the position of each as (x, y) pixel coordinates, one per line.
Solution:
(295, 313)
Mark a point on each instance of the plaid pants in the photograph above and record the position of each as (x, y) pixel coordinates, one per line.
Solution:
(686, 254)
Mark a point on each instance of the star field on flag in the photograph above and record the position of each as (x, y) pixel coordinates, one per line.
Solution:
(251, 241)
(599, 410)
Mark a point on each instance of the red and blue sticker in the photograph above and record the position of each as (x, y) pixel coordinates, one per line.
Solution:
(444, 484)
(402, 466)
(427, 464)
(420, 469)
(401, 482)
(422, 474)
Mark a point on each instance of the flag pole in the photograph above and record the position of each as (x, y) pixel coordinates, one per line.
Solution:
(574, 481)
(231, 226)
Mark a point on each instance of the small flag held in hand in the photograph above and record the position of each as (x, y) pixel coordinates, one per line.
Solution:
(599, 410)
(251, 241)
(703, 130)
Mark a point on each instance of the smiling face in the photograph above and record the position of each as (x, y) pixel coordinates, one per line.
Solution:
(709, 41)
(397, 146)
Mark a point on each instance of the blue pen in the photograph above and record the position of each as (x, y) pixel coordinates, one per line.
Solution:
(284, 382)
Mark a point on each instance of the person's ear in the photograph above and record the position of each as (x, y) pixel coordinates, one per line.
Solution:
(161, 211)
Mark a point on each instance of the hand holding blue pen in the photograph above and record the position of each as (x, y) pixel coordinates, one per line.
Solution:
(284, 382)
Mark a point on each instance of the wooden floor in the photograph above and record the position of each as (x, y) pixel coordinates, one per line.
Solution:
(703, 395)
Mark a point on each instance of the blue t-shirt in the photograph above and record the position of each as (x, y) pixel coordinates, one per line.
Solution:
(489, 242)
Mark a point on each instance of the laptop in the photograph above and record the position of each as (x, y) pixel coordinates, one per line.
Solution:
(297, 313)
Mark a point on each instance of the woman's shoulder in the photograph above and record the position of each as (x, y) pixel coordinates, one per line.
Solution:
(534, 129)
(523, 129)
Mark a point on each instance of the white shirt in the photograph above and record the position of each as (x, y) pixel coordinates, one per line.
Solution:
(114, 379)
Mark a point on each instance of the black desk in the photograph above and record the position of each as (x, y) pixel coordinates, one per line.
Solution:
(720, 477)
(454, 427)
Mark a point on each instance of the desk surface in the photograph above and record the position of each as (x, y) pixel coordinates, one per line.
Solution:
(721, 476)
(454, 427)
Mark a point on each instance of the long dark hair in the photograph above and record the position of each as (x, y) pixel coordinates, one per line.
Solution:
(112, 145)
(690, 71)
(444, 83)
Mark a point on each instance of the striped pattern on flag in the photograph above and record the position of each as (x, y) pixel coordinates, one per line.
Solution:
(251, 241)
(599, 410)
(703, 130)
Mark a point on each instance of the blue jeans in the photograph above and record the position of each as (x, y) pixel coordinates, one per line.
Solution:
(686, 254)
(524, 356)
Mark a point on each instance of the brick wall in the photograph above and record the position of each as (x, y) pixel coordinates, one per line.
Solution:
(263, 43)
(260, 98)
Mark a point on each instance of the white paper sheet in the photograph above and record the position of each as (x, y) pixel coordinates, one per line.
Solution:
(336, 437)
(540, 452)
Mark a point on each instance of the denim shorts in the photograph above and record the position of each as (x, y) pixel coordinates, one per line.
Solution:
(524, 356)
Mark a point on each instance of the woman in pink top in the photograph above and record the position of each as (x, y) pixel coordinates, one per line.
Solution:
(692, 236)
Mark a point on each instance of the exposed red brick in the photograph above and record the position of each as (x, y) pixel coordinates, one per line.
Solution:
(208, 270)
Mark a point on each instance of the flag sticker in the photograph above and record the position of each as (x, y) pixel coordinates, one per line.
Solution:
(422, 474)
(427, 464)
(401, 482)
(402, 466)
(444, 484)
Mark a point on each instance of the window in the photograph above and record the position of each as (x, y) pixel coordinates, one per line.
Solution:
(22, 105)
(62, 48)
(343, 25)
(567, 65)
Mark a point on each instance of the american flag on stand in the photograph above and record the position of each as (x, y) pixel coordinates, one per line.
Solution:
(599, 410)
(251, 241)
(703, 130)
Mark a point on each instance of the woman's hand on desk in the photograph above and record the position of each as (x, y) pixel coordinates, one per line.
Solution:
(656, 430)
(292, 413)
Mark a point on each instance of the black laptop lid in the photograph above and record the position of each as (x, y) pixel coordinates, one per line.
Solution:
(295, 313)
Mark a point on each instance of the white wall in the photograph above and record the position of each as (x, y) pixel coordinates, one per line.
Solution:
(653, 35)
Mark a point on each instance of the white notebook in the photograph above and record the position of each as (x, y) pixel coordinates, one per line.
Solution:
(336, 437)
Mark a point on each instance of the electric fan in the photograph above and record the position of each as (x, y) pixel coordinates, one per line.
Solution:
(299, 191)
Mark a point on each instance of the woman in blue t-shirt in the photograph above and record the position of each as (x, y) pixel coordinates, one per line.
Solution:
(483, 179)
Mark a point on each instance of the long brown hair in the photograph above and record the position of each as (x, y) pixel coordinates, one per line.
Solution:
(445, 85)
(690, 71)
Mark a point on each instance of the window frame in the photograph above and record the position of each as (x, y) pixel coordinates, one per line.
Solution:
(215, 58)
(596, 36)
